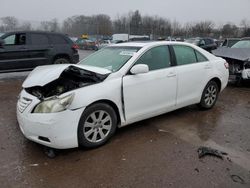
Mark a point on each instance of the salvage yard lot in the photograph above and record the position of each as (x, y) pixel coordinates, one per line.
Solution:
(158, 152)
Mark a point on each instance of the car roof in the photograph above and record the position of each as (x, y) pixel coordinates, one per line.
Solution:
(147, 43)
(46, 32)
(246, 38)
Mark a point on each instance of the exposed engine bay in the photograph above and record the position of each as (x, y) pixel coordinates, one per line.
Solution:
(238, 69)
(71, 78)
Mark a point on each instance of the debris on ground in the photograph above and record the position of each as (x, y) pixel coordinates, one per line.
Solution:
(203, 151)
(197, 170)
(162, 130)
(34, 164)
(237, 179)
(50, 152)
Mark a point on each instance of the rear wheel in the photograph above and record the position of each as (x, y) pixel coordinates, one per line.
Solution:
(97, 124)
(61, 61)
(209, 95)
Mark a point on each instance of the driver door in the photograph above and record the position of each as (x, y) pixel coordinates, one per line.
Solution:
(14, 52)
(152, 93)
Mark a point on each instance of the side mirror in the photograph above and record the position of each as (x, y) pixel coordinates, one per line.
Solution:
(1, 43)
(139, 69)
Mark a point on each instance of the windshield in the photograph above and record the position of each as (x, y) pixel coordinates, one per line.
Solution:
(111, 58)
(242, 44)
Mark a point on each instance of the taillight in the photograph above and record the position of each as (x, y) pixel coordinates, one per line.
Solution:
(226, 65)
(75, 47)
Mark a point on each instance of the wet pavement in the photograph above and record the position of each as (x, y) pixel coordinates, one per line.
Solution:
(158, 152)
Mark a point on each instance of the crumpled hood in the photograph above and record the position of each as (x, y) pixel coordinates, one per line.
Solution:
(242, 54)
(42, 75)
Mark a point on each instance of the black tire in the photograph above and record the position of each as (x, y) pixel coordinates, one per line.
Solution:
(209, 95)
(61, 61)
(90, 129)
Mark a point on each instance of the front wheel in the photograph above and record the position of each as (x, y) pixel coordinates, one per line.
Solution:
(209, 95)
(97, 124)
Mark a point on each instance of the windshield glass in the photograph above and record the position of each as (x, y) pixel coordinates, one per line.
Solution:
(242, 44)
(111, 58)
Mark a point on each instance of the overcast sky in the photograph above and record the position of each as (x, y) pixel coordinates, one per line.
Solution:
(219, 11)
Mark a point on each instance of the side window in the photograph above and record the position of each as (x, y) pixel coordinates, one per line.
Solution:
(10, 40)
(39, 39)
(57, 39)
(184, 55)
(208, 41)
(200, 57)
(15, 39)
(156, 58)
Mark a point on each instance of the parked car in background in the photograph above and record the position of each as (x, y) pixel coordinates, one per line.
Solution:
(139, 38)
(205, 43)
(229, 42)
(86, 44)
(238, 57)
(74, 39)
(104, 43)
(83, 104)
(25, 50)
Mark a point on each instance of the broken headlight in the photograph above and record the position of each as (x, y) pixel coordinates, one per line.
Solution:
(54, 104)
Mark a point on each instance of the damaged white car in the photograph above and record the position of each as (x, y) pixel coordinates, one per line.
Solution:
(66, 106)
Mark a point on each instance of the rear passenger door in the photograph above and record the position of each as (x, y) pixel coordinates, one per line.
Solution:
(39, 49)
(192, 73)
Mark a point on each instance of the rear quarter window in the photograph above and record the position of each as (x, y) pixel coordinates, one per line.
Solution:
(184, 55)
(200, 57)
(57, 39)
(39, 39)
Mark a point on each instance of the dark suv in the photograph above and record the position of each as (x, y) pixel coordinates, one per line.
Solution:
(205, 43)
(25, 50)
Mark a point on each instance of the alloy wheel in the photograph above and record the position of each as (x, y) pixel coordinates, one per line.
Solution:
(97, 126)
(210, 95)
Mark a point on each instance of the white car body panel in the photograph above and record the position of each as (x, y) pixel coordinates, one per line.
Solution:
(190, 93)
(42, 75)
(136, 97)
(153, 93)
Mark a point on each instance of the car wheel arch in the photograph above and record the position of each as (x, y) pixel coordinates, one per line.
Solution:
(112, 104)
(216, 80)
(58, 56)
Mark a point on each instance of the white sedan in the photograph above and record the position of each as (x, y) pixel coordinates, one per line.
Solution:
(66, 106)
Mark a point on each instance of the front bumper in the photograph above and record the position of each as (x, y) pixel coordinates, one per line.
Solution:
(55, 130)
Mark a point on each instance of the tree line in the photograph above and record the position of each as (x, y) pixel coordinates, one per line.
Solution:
(132, 23)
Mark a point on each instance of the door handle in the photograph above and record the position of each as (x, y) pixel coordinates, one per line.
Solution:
(171, 74)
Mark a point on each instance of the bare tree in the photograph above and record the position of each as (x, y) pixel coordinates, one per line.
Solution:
(229, 30)
(245, 27)
(203, 28)
(52, 26)
(9, 23)
(25, 26)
